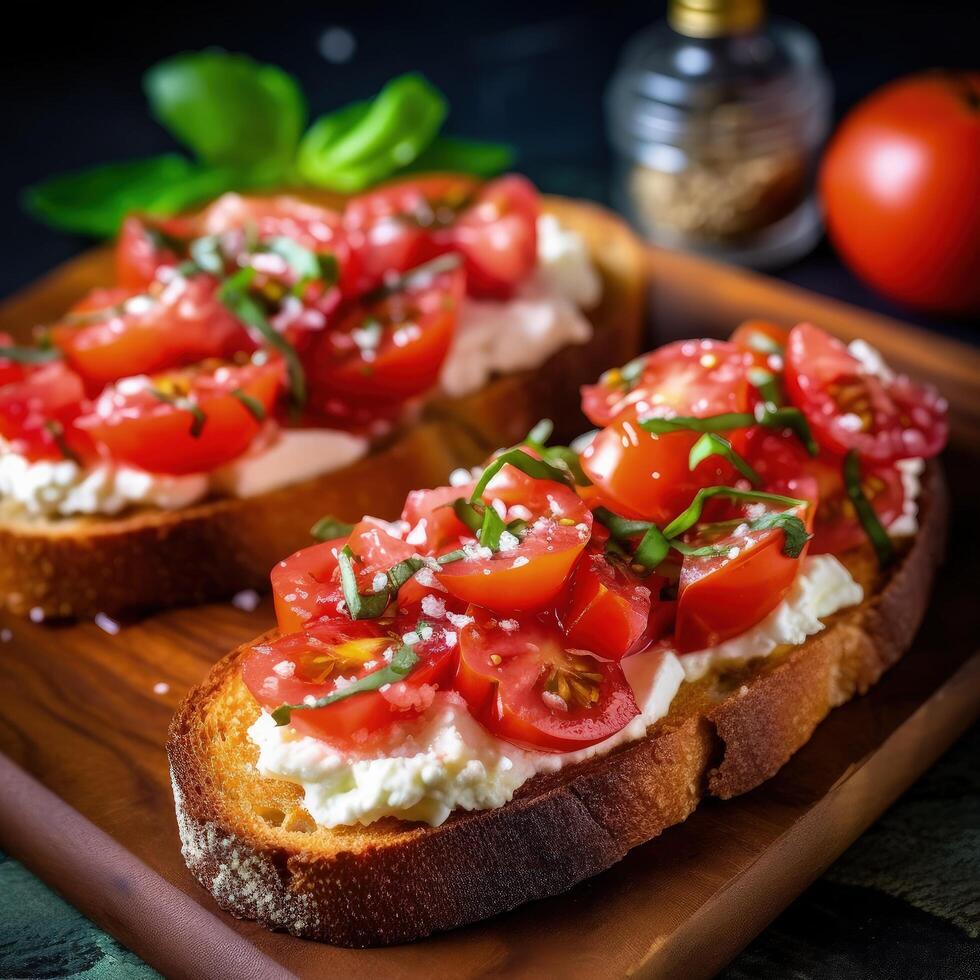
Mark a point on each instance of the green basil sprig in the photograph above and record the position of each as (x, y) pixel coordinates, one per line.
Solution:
(877, 535)
(243, 122)
(402, 662)
(712, 444)
(198, 417)
(30, 355)
(253, 406)
(328, 528)
(766, 414)
(561, 456)
(233, 292)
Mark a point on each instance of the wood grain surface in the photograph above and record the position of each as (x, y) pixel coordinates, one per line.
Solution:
(85, 798)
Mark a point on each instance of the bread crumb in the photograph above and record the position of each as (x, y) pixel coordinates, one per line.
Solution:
(247, 600)
(106, 624)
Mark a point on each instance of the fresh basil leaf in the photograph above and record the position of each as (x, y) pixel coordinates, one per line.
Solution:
(198, 418)
(712, 423)
(450, 154)
(788, 418)
(689, 517)
(95, 201)
(351, 152)
(491, 529)
(712, 444)
(233, 293)
(329, 528)
(652, 549)
(30, 355)
(230, 110)
(305, 264)
(537, 468)
(468, 514)
(359, 606)
(401, 664)
(540, 434)
(877, 535)
(253, 406)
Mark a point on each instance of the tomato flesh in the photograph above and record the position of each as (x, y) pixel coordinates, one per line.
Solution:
(9, 370)
(188, 421)
(531, 574)
(523, 684)
(327, 657)
(849, 408)
(605, 609)
(764, 343)
(722, 596)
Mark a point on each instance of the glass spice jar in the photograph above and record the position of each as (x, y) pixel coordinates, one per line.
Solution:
(715, 118)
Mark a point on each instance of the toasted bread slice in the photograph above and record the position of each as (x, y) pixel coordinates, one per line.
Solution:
(152, 558)
(249, 841)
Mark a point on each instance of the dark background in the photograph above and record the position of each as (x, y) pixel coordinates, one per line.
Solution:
(531, 74)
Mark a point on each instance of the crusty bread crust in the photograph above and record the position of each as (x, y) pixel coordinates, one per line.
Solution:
(151, 558)
(248, 841)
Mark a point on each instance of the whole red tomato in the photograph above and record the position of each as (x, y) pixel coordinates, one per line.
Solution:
(901, 188)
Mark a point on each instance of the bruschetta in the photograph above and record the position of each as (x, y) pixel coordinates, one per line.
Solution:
(269, 359)
(555, 657)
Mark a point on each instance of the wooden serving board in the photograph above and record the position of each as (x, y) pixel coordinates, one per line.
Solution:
(85, 798)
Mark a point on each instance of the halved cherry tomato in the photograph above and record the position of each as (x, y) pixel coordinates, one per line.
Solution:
(531, 574)
(849, 408)
(306, 585)
(764, 342)
(38, 413)
(182, 323)
(687, 377)
(390, 349)
(498, 236)
(395, 228)
(523, 683)
(9, 370)
(327, 657)
(431, 520)
(647, 475)
(723, 596)
(606, 609)
(779, 458)
(147, 245)
(318, 229)
(186, 421)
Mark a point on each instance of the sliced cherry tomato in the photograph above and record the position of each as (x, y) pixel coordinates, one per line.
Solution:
(9, 370)
(498, 236)
(530, 574)
(523, 683)
(764, 342)
(182, 323)
(186, 421)
(431, 520)
(38, 414)
(606, 609)
(306, 585)
(779, 459)
(390, 349)
(688, 377)
(725, 595)
(401, 225)
(317, 229)
(884, 419)
(329, 656)
(147, 245)
(647, 475)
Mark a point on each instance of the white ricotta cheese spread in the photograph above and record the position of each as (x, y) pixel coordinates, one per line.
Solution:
(62, 488)
(426, 768)
(823, 587)
(501, 336)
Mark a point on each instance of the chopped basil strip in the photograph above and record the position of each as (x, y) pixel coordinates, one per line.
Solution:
(402, 663)
(712, 444)
(233, 292)
(538, 468)
(766, 383)
(491, 529)
(762, 343)
(876, 533)
(468, 514)
(653, 546)
(713, 423)
(198, 418)
(560, 456)
(792, 527)
(305, 264)
(788, 418)
(328, 528)
(418, 276)
(30, 355)
(652, 549)
(57, 432)
(255, 408)
(688, 518)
